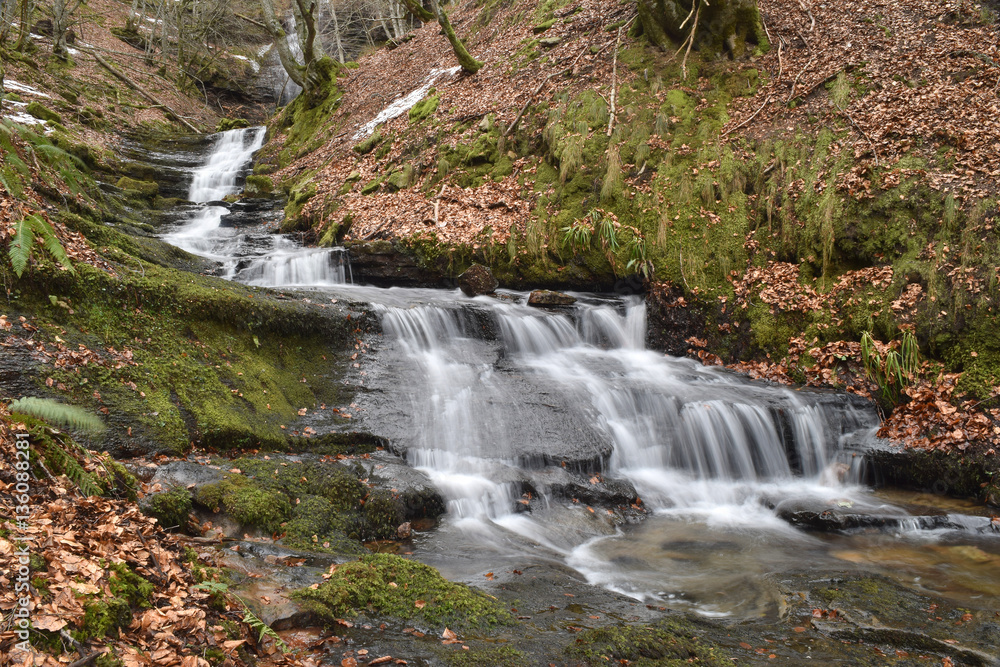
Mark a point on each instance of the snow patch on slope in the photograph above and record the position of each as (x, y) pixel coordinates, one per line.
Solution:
(404, 104)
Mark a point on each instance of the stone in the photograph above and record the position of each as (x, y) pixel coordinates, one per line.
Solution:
(549, 42)
(477, 280)
(41, 112)
(544, 298)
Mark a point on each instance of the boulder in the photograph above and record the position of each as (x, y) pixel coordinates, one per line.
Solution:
(477, 280)
(543, 298)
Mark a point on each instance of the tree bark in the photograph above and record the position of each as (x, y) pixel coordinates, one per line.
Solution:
(465, 59)
(295, 71)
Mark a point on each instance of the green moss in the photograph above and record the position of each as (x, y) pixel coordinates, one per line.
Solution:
(258, 185)
(371, 186)
(388, 585)
(104, 619)
(170, 508)
(668, 643)
(41, 112)
(490, 656)
(129, 586)
(369, 144)
(147, 189)
(425, 107)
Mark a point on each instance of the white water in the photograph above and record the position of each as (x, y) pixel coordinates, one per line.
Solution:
(255, 257)
(487, 396)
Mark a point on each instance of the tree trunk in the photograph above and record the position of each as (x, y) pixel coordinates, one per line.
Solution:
(465, 59)
(295, 71)
(723, 25)
(336, 34)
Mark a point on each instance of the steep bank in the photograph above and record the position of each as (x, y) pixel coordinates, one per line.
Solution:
(795, 198)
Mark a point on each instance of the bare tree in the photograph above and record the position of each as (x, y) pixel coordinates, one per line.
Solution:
(465, 59)
(315, 71)
(62, 19)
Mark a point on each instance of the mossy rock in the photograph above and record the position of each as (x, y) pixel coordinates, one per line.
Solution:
(668, 643)
(41, 112)
(424, 108)
(170, 508)
(147, 189)
(389, 585)
(369, 144)
(245, 502)
(371, 186)
(258, 186)
(227, 124)
(401, 179)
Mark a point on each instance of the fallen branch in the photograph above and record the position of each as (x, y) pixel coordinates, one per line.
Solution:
(250, 20)
(124, 79)
(780, 65)
(862, 132)
(791, 93)
(437, 205)
(614, 85)
(812, 19)
(752, 116)
(520, 115)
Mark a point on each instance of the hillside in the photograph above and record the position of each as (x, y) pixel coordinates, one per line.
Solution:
(838, 181)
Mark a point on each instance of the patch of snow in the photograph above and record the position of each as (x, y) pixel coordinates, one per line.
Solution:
(264, 49)
(253, 63)
(10, 84)
(20, 116)
(72, 51)
(404, 104)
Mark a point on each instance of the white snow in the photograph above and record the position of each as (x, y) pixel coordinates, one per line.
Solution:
(18, 116)
(10, 84)
(404, 104)
(253, 63)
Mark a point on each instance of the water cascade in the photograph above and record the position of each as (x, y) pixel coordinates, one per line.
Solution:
(554, 434)
(252, 255)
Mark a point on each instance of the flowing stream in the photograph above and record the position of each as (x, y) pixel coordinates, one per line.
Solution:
(555, 436)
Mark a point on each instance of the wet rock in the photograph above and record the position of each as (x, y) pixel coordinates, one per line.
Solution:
(591, 490)
(185, 473)
(477, 280)
(404, 531)
(387, 264)
(544, 298)
(412, 492)
(251, 213)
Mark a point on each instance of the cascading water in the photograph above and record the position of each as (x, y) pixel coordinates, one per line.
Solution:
(523, 417)
(254, 256)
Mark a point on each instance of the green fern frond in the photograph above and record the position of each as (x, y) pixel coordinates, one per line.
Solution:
(20, 246)
(51, 242)
(63, 463)
(54, 153)
(58, 413)
(214, 587)
(263, 628)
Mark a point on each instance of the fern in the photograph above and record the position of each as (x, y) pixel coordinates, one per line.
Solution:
(25, 232)
(250, 618)
(20, 246)
(54, 153)
(58, 413)
(65, 464)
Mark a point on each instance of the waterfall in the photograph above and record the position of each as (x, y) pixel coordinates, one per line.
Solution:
(683, 434)
(251, 255)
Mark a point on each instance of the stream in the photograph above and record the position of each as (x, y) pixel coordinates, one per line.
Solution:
(556, 437)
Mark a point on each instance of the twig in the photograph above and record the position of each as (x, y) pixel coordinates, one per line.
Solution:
(614, 84)
(250, 20)
(812, 19)
(766, 31)
(750, 118)
(680, 255)
(803, 38)
(791, 93)
(863, 133)
(780, 65)
(156, 561)
(86, 660)
(694, 28)
(73, 642)
(437, 204)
